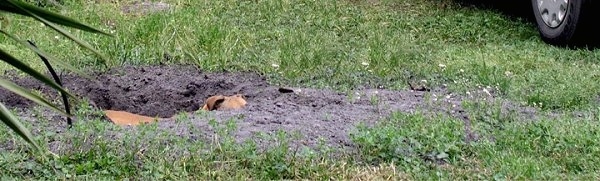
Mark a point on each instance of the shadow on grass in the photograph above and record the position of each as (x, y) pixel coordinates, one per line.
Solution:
(511, 8)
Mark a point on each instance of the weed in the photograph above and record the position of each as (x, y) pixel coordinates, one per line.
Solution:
(411, 140)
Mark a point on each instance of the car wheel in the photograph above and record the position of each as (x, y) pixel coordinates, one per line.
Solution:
(562, 22)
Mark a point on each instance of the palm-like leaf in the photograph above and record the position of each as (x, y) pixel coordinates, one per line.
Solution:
(13, 123)
(50, 19)
(26, 9)
(44, 54)
(27, 94)
(6, 57)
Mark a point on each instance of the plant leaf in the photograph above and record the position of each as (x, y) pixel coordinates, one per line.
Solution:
(25, 68)
(27, 94)
(46, 55)
(66, 34)
(26, 9)
(13, 123)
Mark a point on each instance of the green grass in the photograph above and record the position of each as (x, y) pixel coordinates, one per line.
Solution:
(149, 153)
(429, 147)
(325, 43)
(404, 146)
(339, 45)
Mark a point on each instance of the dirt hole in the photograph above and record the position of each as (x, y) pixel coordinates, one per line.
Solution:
(151, 91)
(163, 91)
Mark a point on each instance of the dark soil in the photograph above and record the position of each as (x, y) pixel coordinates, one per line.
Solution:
(164, 91)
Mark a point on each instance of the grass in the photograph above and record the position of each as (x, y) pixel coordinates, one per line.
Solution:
(339, 45)
(149, 153)
(415, 146)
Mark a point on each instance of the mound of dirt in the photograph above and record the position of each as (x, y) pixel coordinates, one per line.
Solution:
(164, 91)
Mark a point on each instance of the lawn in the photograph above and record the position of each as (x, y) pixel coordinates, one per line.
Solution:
(337, 45)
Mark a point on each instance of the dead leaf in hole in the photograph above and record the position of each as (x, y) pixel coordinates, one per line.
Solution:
(127, 119)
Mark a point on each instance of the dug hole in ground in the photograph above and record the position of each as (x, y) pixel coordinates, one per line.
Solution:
(165, 91)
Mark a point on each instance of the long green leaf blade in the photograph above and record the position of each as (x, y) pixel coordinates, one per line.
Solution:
(44, 54)
(25, 68)
(26, 9)
(27, 94)
(68, 35)
(13, 123)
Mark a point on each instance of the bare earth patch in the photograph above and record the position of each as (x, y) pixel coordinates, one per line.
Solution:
(165, 91)
(144, 7)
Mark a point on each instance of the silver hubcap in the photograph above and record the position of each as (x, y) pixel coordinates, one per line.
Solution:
(553, 11)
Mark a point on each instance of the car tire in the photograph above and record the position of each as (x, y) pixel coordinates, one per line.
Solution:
(571, 29)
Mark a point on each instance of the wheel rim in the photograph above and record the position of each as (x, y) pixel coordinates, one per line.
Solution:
(553, 12)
